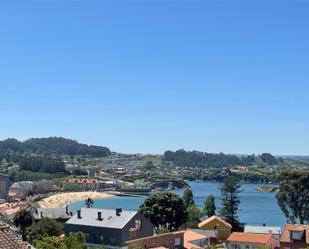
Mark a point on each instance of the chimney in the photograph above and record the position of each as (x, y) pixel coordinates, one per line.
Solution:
(118, 211)
(67, 209)
(100, 216)
(79, 216)
(264, 225)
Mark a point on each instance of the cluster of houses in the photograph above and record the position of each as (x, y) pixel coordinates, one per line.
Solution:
(117, 228)
(130, 229)
(22, 189)
(88, 184)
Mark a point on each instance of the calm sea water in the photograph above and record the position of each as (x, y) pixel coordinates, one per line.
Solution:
(256, 208)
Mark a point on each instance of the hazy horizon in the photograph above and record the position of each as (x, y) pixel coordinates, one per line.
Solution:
(162, 152)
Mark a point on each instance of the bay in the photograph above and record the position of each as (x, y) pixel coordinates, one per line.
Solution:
(256, 208)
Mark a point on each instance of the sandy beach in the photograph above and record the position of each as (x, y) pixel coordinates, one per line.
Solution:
(62, 199)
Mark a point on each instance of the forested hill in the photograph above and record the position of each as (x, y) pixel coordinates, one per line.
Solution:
(204, 159)
(51, 146)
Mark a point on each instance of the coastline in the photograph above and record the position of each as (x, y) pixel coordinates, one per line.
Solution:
(62, 199)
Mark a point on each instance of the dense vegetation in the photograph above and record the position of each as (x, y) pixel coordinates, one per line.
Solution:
(43, 158)
(22, 175)
(230, 190)
(71, 241)
(165, 210)
(43, 164)
(50, 146)
(292, 197)
(44, 227)
(204, 159)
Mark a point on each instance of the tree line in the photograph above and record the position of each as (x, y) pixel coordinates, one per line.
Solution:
(204, 159)
(50, 146)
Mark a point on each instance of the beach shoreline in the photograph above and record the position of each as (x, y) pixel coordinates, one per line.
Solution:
(62, 199)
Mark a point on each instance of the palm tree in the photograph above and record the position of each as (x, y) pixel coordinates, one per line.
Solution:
(89, 202)
(23, 219)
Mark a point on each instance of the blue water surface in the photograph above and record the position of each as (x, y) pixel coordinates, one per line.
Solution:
(256, 208)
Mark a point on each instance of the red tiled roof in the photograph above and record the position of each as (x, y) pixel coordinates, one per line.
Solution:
(214, 217)
(254, 238)
(84, 180)
(190, 236)
(8, 239)
(285, 237)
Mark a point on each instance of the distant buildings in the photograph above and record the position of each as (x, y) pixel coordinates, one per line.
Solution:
(295, 236)
(252, 241)
(21, 189)
(218, 225)
(24, 188)
(120, 171)
(4, 186)
(109, 227)
(44, 186)
(84, 184)
(91, 173)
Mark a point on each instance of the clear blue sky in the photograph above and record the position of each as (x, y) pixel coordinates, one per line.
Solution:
(147, 76)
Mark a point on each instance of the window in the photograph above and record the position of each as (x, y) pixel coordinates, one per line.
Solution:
(138, 224)
(177, 242)
(101, 238)
(236, 246)
(247, 246)
(297, 235)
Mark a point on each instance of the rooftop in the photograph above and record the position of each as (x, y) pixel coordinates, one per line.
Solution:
(84, 180)
(285, 237)
(262, 229)
(192, 235)
(254, 238)
(214, 217)
(8, 239)
(89, 217)
(52, 213)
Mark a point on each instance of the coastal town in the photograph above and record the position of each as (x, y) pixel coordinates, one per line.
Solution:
(48, 201)
(154, 124)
